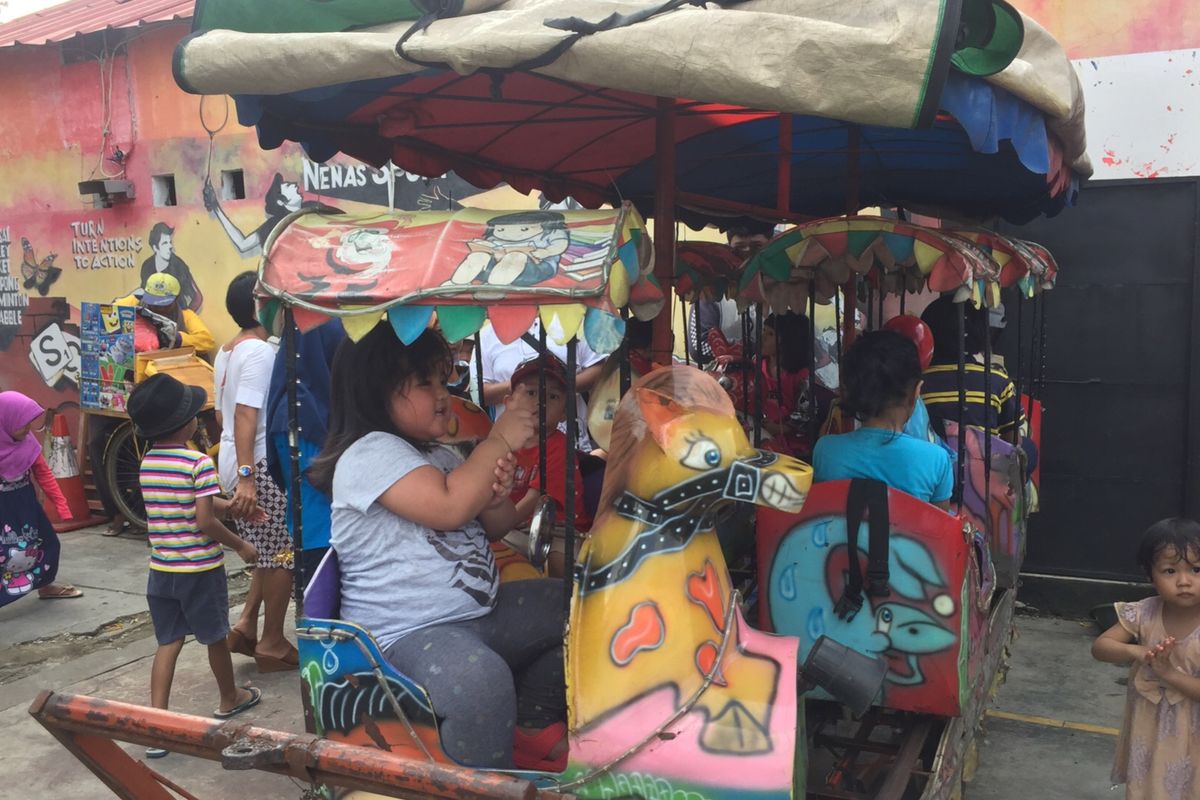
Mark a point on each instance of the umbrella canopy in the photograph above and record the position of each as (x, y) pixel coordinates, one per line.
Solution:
(562, 95)
(467, 266)
(896, 256)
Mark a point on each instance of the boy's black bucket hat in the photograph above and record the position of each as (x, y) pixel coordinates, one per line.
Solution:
(160, 405)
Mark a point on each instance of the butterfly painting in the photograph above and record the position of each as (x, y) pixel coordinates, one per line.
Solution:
(38, 274)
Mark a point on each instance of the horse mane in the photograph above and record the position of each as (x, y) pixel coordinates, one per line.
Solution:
(689, 387)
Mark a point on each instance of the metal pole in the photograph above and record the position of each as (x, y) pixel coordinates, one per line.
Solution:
(626, 379)
(814, 422)
(987, 410)
(745, 361)
(853, 190)
(1020, 353)
(664, 223)
(758, 375)
(569, 501)
(291, 358)
(570, 402)
(1041, 376)
(962, 404)
(479, 372)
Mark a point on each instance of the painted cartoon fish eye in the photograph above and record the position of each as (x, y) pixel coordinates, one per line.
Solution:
(702, 453)
(883, 621)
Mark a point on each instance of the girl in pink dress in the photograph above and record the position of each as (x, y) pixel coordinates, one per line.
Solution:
(28, 545)
(1158, 754)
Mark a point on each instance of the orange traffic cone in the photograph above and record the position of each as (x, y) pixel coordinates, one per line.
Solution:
(60, 455)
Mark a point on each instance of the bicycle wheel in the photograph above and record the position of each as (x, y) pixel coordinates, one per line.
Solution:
(122, 465)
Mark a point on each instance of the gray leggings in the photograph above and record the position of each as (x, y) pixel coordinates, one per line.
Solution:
(486, 674)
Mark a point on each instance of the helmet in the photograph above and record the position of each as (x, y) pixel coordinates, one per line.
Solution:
(916, 331)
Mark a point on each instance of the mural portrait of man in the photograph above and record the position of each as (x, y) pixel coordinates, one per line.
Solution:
(164, 259)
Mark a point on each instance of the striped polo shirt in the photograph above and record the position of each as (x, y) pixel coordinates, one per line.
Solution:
(997, 410)
(172, 478)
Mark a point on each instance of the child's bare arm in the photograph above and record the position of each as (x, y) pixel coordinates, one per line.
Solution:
(526, 505)
(498, 519)
(1185, 684)
(432, 499)
(1117, 646)
(212, 527)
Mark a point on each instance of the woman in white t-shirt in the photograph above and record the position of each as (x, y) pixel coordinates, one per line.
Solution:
(243, 378)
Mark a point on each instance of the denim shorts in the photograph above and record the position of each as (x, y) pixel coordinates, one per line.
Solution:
(189, 603)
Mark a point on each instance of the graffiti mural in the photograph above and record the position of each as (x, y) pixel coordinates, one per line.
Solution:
(921, 627)
(995, 503)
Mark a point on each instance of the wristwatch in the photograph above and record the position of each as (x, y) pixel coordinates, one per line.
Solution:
(245, 471)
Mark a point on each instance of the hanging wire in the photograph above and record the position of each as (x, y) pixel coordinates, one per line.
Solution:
(212, 133)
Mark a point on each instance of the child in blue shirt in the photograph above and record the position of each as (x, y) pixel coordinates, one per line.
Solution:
(881, 381)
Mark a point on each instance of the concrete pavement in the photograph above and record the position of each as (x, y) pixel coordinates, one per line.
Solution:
(1050, 736)
(1050, 733)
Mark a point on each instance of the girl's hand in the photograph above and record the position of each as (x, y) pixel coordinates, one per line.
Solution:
(515, 427)
(1158, 656)
(506, 470)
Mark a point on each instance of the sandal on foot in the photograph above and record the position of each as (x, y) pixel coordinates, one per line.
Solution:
(111, 531)
(61, 591)
(156, 752)
(532, 750)
(238, 642)
(267, 663)
(255, 696)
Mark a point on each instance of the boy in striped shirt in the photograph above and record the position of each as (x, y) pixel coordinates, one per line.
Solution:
(187, 592)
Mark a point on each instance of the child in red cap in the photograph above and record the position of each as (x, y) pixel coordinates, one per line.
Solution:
(528, 485)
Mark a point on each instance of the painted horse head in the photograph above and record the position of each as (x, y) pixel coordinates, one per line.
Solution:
(653, 623)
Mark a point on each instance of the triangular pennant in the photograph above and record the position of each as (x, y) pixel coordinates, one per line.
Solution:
(359, 325)
(603, 331)
(899, 245)
(857, 241)
(926, 255)
(510, 322)
(307, 319)
(570, 317)
(459, 322)
(618, 286)
(409, 322)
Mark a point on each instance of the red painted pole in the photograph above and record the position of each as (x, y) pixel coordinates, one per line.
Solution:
(853, 205)
(663, 342)
(783, 187)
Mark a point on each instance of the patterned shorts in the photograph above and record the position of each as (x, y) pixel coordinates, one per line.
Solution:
(270, 538)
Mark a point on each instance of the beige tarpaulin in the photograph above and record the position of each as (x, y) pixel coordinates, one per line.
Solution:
(873, 62)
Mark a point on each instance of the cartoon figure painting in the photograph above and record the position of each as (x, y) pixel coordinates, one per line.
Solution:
(164, 259)
(282, 198)
(518, 249)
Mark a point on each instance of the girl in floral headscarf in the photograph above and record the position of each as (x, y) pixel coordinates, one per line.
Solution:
(28, 545)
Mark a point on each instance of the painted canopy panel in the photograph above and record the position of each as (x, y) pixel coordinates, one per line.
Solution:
(471, 264)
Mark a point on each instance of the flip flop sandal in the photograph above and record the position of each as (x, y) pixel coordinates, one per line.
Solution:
(156, 752)
(267, 663)
(111, 531)
(65, 592)
(240, 643)
(255, 697)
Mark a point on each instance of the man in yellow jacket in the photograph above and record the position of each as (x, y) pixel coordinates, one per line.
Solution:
(162, 323)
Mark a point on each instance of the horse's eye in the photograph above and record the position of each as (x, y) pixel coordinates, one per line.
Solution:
(702, 454)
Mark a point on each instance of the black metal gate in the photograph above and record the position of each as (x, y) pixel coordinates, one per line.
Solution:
(1121, 432)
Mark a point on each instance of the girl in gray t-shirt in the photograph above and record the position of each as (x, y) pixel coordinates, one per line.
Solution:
(410, 524)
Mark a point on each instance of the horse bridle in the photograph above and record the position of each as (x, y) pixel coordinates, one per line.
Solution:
(673, 516)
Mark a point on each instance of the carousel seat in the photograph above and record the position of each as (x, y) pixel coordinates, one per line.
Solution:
(354, 692)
